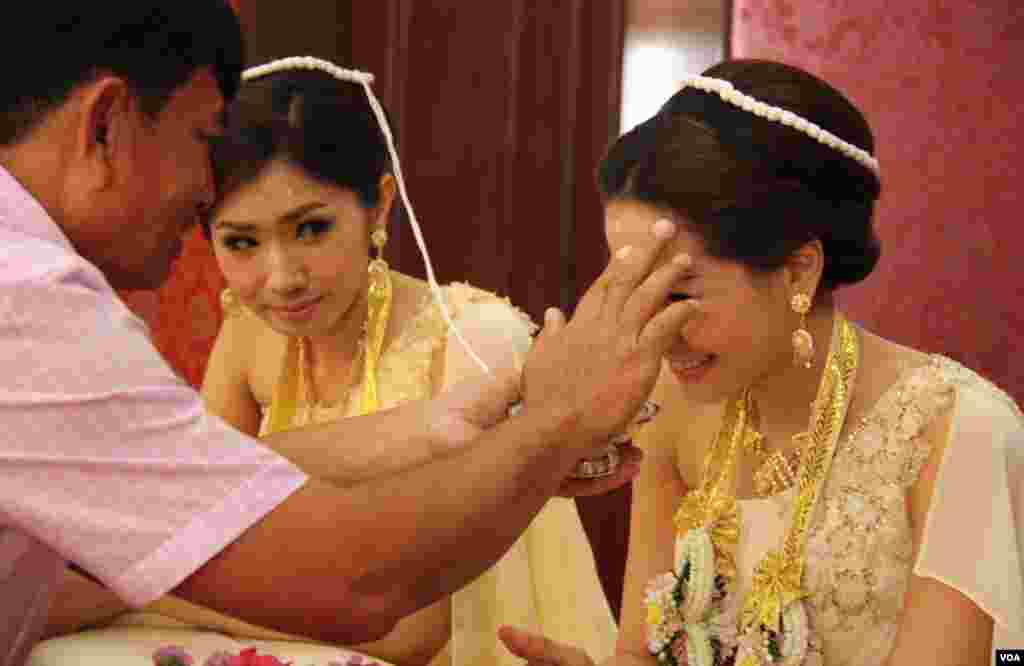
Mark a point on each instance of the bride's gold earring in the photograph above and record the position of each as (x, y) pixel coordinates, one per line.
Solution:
(803, 341)
(378, 309)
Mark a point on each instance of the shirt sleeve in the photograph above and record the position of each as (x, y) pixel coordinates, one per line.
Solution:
(973, 539)
(106, 455)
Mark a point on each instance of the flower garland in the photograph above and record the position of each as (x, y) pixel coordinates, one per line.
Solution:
(687, 624)
(688, 609)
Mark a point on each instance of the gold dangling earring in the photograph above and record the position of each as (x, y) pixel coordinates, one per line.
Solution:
(230, 305)
(378, 309)
(803, 342)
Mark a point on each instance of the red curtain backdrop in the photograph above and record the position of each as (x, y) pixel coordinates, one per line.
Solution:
(184, 315)
(941, 84)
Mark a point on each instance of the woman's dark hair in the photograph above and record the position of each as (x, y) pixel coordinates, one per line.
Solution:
(311, 119)
(754, 189)
(154, 45)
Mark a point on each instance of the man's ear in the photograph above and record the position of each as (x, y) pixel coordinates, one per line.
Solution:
(106, 129)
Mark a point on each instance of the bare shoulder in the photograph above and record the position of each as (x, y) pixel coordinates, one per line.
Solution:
(410, 298)
(883, 364)
(259, 351)
(410, 295)
(683, 429)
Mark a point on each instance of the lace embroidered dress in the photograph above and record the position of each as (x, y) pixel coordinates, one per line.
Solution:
(860, 550)
(547, 582)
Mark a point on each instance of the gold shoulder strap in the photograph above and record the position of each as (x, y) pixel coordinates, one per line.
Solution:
(288, 389)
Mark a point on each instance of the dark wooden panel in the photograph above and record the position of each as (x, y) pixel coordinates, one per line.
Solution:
(276, 29)
(502, 110)
(605, 517)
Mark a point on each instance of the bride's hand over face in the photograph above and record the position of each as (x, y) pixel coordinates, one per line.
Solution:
(594, 372)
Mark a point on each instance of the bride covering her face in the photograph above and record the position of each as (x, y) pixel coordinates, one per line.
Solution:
(306, 181)
(812, 493)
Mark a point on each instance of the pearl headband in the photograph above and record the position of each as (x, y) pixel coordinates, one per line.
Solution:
(731, 95)
(365, 79)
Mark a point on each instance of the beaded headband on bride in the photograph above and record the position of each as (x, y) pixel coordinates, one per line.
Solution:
(365, 79)
(731, 95)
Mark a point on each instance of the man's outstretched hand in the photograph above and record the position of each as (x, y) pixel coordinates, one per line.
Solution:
(595, 371)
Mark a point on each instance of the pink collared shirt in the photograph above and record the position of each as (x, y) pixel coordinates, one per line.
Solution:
(107, 458)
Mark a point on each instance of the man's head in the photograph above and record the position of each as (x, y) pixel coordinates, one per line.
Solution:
(113, 136)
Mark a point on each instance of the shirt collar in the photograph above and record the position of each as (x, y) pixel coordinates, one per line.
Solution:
(22, 212)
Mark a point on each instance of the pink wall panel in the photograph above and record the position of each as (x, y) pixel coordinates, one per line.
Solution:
(942, 84)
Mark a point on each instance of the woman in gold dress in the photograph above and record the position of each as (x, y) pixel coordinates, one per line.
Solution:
(812, 493)
(317, 327)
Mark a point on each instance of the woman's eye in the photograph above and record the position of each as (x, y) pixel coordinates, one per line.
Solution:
(312, 228)
(238, 243)
(679, 296)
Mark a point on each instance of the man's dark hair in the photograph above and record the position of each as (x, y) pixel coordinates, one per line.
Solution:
(154, 45)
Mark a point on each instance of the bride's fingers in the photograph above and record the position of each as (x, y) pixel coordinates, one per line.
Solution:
(537, 649)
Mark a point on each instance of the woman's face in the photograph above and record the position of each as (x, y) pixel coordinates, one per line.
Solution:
(295, 249)
(742, 329)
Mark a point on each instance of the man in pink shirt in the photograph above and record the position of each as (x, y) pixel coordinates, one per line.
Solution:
(108, 459)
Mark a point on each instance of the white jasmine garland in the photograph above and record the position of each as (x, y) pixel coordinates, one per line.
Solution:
(698, 550)
(796, 632)
(688, 617)
(698, 646)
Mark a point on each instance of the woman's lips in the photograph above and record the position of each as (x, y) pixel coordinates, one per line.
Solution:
(691, 368)
(298, 311)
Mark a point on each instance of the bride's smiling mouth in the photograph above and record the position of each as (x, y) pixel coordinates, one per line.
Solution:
(691, 367)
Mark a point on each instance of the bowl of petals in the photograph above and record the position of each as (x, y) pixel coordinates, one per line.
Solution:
(606, 463)
(173, 655)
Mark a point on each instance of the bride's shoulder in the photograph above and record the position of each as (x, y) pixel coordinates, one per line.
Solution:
(912, 375)
(683, 428)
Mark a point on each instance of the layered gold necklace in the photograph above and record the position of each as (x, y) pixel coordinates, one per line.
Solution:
(297, 389)
(777, 470)
(777, 581)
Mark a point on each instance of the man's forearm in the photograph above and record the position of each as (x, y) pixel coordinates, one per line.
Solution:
(444, 523)
(79, 603)
(357, 559)
(362, 448)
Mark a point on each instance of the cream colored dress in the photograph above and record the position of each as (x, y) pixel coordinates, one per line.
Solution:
(546, 582)
(860, 550)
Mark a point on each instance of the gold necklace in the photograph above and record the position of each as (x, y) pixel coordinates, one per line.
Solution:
(778, 576)
(778, 470)
(308, 394)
